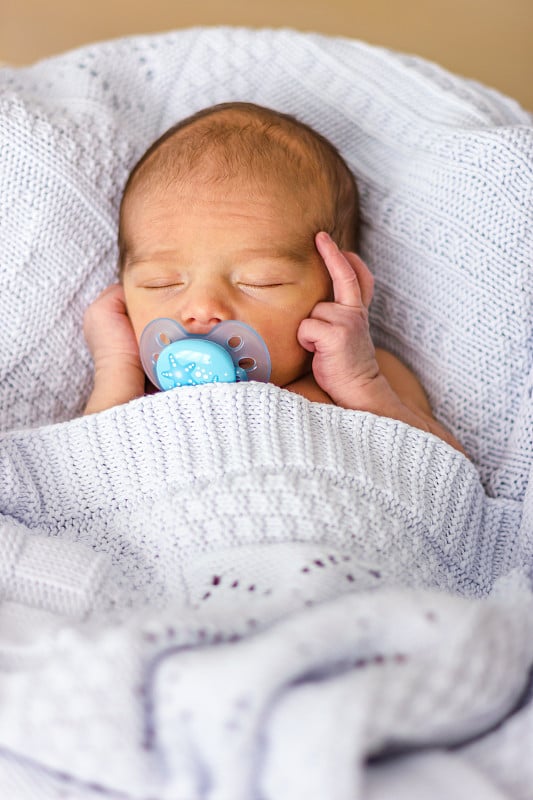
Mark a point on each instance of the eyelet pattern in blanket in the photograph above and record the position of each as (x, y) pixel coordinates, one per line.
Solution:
(444, 166)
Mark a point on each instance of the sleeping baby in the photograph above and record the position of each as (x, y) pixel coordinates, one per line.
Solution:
(243, 213)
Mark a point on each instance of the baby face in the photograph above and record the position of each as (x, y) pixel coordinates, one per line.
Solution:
(208, 253)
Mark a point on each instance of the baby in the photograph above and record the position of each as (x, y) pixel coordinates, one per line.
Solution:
(241, 212)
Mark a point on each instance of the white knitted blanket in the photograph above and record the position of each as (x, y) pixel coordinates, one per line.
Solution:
(227, 592)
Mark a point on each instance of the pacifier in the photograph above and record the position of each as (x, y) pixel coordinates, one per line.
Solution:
(231, 351)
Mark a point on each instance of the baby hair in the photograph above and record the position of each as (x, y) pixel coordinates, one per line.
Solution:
(261, 147)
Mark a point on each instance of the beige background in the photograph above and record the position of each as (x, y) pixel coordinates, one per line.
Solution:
(483, 39)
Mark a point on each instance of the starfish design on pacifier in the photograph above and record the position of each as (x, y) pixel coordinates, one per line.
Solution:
(179, 375)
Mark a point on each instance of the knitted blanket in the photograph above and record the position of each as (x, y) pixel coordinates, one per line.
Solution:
(228, 592)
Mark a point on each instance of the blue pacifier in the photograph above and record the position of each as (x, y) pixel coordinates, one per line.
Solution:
(231, 351)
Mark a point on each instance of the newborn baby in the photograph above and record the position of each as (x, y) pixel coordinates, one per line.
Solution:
(241, 212)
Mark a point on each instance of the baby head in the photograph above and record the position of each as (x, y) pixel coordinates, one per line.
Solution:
(218, 221)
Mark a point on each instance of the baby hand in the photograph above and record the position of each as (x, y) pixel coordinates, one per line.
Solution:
(108, 332)
(337, 333)
(118, 373)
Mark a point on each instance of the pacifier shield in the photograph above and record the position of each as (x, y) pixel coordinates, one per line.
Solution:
(231, 351)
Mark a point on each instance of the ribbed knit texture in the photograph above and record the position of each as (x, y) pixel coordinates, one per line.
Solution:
(228, 592)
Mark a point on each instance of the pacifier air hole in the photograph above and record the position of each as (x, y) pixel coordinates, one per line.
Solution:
(235, 342)
(163, 339)
(247, 364)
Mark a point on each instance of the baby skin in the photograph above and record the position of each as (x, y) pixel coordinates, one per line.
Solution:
(210, 253)
(311, 312)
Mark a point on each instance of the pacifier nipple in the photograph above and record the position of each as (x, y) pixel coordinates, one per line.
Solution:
(231, 351)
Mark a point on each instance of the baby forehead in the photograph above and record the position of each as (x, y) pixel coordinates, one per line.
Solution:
(182, 237)
(217, 223)
(264, 202)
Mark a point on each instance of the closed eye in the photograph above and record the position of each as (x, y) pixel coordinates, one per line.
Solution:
(165, 285)
(258, 285)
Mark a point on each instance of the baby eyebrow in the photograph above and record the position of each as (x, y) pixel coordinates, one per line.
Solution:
(141, 261)
(293, 254)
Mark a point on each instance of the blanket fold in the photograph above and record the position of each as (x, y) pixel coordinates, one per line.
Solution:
(239, 572)
(49, 573)
(238, 465)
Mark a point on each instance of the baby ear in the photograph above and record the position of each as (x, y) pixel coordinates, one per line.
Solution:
(363, 274)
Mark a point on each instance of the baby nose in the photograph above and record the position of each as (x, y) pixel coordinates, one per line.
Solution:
(203, 308)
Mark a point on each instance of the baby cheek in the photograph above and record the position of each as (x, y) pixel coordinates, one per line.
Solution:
(290, 360)
(139, 317)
